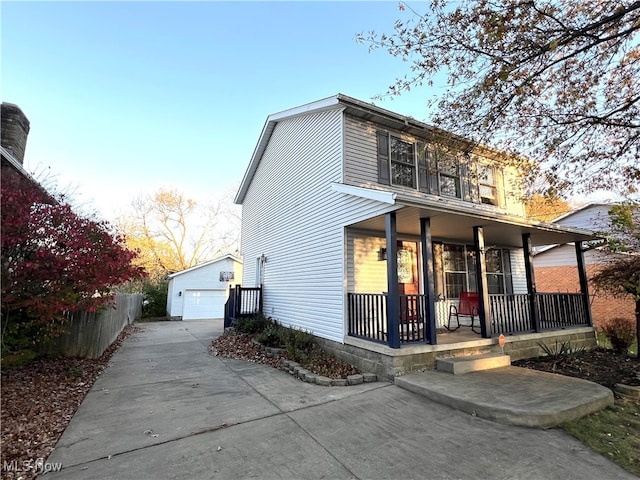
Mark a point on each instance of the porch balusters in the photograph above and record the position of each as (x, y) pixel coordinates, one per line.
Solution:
(509, 314)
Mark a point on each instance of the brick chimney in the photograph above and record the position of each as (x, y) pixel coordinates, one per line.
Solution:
(14, 130)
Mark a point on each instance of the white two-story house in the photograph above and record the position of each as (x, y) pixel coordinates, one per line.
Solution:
(338, 187)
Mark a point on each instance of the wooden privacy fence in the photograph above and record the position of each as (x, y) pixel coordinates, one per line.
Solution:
(89, 334)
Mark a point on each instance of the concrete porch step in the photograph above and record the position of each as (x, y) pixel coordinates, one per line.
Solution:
(472, 363)
(511, 395)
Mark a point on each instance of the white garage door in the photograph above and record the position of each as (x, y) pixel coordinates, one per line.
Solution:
(203, 304)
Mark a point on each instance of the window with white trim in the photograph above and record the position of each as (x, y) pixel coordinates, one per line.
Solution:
(434, 169)
(487, 184)
(456, 270)
(449, 176)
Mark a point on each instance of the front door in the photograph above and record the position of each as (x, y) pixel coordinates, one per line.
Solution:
(408, 281)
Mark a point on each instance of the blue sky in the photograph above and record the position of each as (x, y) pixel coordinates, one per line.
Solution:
(127, 97)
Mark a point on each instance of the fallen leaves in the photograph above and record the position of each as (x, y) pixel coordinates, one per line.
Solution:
(38, 401)
(240, 346)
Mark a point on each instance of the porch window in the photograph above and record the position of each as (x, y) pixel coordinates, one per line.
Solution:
(498, 271)
(458, 276)
(403, 167)
(456, 270)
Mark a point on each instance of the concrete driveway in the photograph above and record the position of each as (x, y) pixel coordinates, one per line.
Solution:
(166, 409)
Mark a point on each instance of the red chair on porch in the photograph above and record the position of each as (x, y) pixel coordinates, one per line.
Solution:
(467, 307)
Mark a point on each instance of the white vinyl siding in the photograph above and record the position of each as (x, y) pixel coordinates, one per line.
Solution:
(512, 191)
(361, 168)
(518, 272)
(365, 272)
(592, 217)
(560, 255)
(292, 216)
(565, 255)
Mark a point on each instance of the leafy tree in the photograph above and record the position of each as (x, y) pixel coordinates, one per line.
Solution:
(53, 260)
(621, 275)
(556, 80)
(545, 208)
(173, 232)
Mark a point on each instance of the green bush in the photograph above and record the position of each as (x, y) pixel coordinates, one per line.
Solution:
(155, 298)
(299, 344)
(254, 324)
(621, 333)
(272, 336)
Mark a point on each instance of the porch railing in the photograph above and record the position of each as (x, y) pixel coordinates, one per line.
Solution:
(560, 310)
(367, 317)
(509, 314)
(242, 302)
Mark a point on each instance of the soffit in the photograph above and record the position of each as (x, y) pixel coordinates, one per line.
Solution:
(458, 227)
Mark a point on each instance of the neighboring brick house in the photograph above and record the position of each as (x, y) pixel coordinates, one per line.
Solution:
(555, 267)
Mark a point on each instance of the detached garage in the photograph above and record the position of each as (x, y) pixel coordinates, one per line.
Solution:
(200, 292)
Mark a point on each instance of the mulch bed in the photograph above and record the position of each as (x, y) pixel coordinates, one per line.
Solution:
(241, 347)
(38, 401)
(600, 366)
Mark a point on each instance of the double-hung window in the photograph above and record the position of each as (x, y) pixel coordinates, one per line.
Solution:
(455, 270)
(403, 163)
(449, 176)
(498, 271)
(455, 267)
(418, 166)
(487, 184)
(396, 161)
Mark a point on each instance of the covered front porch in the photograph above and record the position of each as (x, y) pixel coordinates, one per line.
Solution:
(508, 315)
(418, 310)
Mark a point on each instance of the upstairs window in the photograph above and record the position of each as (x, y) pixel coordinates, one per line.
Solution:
(403, 166)
(487, 185)
(434, 169)
(449, 176)
(396, 161)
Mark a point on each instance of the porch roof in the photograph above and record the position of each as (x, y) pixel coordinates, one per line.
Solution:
(457, 225)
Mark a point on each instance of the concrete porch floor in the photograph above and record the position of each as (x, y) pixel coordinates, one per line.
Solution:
(463, 334)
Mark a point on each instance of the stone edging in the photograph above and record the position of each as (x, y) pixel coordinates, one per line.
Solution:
(301, 373)
(628, 391)
(298, 371)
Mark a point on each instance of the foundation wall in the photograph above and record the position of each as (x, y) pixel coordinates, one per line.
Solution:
(388, 363)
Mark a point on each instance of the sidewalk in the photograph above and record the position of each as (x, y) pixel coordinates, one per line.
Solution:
(167, 409)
